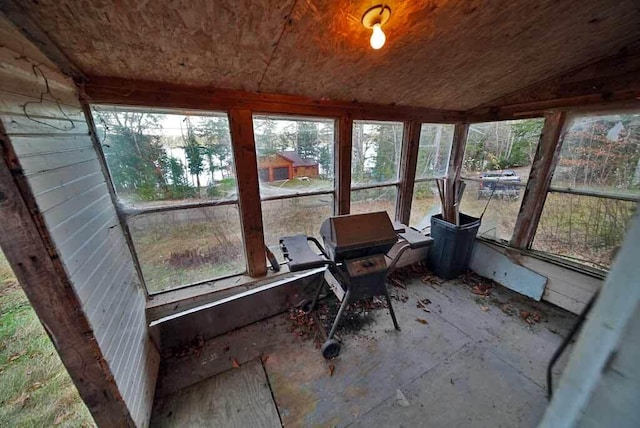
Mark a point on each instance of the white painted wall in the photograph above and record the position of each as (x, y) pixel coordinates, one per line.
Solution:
(51, 139)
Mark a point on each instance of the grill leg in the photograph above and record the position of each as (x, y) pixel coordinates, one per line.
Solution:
(393, 314)
(343, 306)
(318, 291)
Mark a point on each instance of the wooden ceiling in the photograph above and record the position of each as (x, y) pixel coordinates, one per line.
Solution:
(444, 54)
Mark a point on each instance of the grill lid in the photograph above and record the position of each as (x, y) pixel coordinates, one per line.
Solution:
(358, 235)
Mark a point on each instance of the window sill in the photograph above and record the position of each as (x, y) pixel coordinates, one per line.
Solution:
(176, 301)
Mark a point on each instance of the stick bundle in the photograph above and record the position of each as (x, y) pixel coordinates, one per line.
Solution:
(450, 191)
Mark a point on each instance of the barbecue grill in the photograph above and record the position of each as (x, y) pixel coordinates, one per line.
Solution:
(354, 252)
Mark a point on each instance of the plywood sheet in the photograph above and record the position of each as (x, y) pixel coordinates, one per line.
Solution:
(236, 398)
(439, 53)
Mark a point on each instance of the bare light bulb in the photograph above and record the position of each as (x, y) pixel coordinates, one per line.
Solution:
(377, 37)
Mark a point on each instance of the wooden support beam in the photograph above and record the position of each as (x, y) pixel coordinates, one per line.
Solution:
(344, 135)
(408, 162)
(110, 90)
(28, 247)
(454, 170)
(535, 194)
(244, 156)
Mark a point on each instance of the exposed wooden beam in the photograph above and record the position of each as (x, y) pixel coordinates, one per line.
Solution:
(535, 194)
(244, 156)
(111, 90)
(15, 13)
(344, 135)
(408, 162)
(610, 81)
(454, 170)
(28, 247)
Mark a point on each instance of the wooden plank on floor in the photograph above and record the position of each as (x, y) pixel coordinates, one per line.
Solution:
(491, 263)
(236, 398)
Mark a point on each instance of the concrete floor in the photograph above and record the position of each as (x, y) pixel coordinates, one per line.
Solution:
(475, 363)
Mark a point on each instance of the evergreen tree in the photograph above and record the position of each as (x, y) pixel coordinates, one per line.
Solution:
(135, 156)
(306, 139)
(193, 152)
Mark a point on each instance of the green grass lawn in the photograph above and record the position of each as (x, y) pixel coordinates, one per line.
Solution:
(35, 388)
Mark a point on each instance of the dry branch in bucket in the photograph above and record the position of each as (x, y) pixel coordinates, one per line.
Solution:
(450, 192)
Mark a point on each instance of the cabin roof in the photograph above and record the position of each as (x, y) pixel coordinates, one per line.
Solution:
(295, 158)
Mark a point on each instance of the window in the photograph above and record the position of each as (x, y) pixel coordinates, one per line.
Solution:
(594, 190)
(496, 166)
(187, 246)
(434, 150)
(375, 159)
(296, 171)
(162, 164)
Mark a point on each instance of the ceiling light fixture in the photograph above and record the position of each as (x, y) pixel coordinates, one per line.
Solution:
(374, 18)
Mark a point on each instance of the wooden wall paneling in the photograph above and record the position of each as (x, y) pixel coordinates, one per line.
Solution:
(112, 192)
(535, 194)
(30, 251)
(58, 164)
(344, 137)
(407, 174)
(244, 155)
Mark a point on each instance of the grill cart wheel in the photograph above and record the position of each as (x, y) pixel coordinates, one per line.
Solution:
(331, 349)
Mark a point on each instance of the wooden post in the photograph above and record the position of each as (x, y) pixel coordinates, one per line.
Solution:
(454, 170)
(244, 155)
(535, 194)
(408, 162)
(344, 135)
(28, 247)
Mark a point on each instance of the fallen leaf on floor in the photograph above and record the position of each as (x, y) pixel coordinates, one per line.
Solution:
(20, 400)
(484, 308)
(35, 386)
(398, 283)
(61, 418)
(401, 400)
(15, 357)
(480, 290)
(235, 364)
(332, 368)
(422, 321)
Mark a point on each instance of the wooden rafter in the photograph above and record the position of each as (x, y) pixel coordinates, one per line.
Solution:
(108, 90)
(612, 81)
